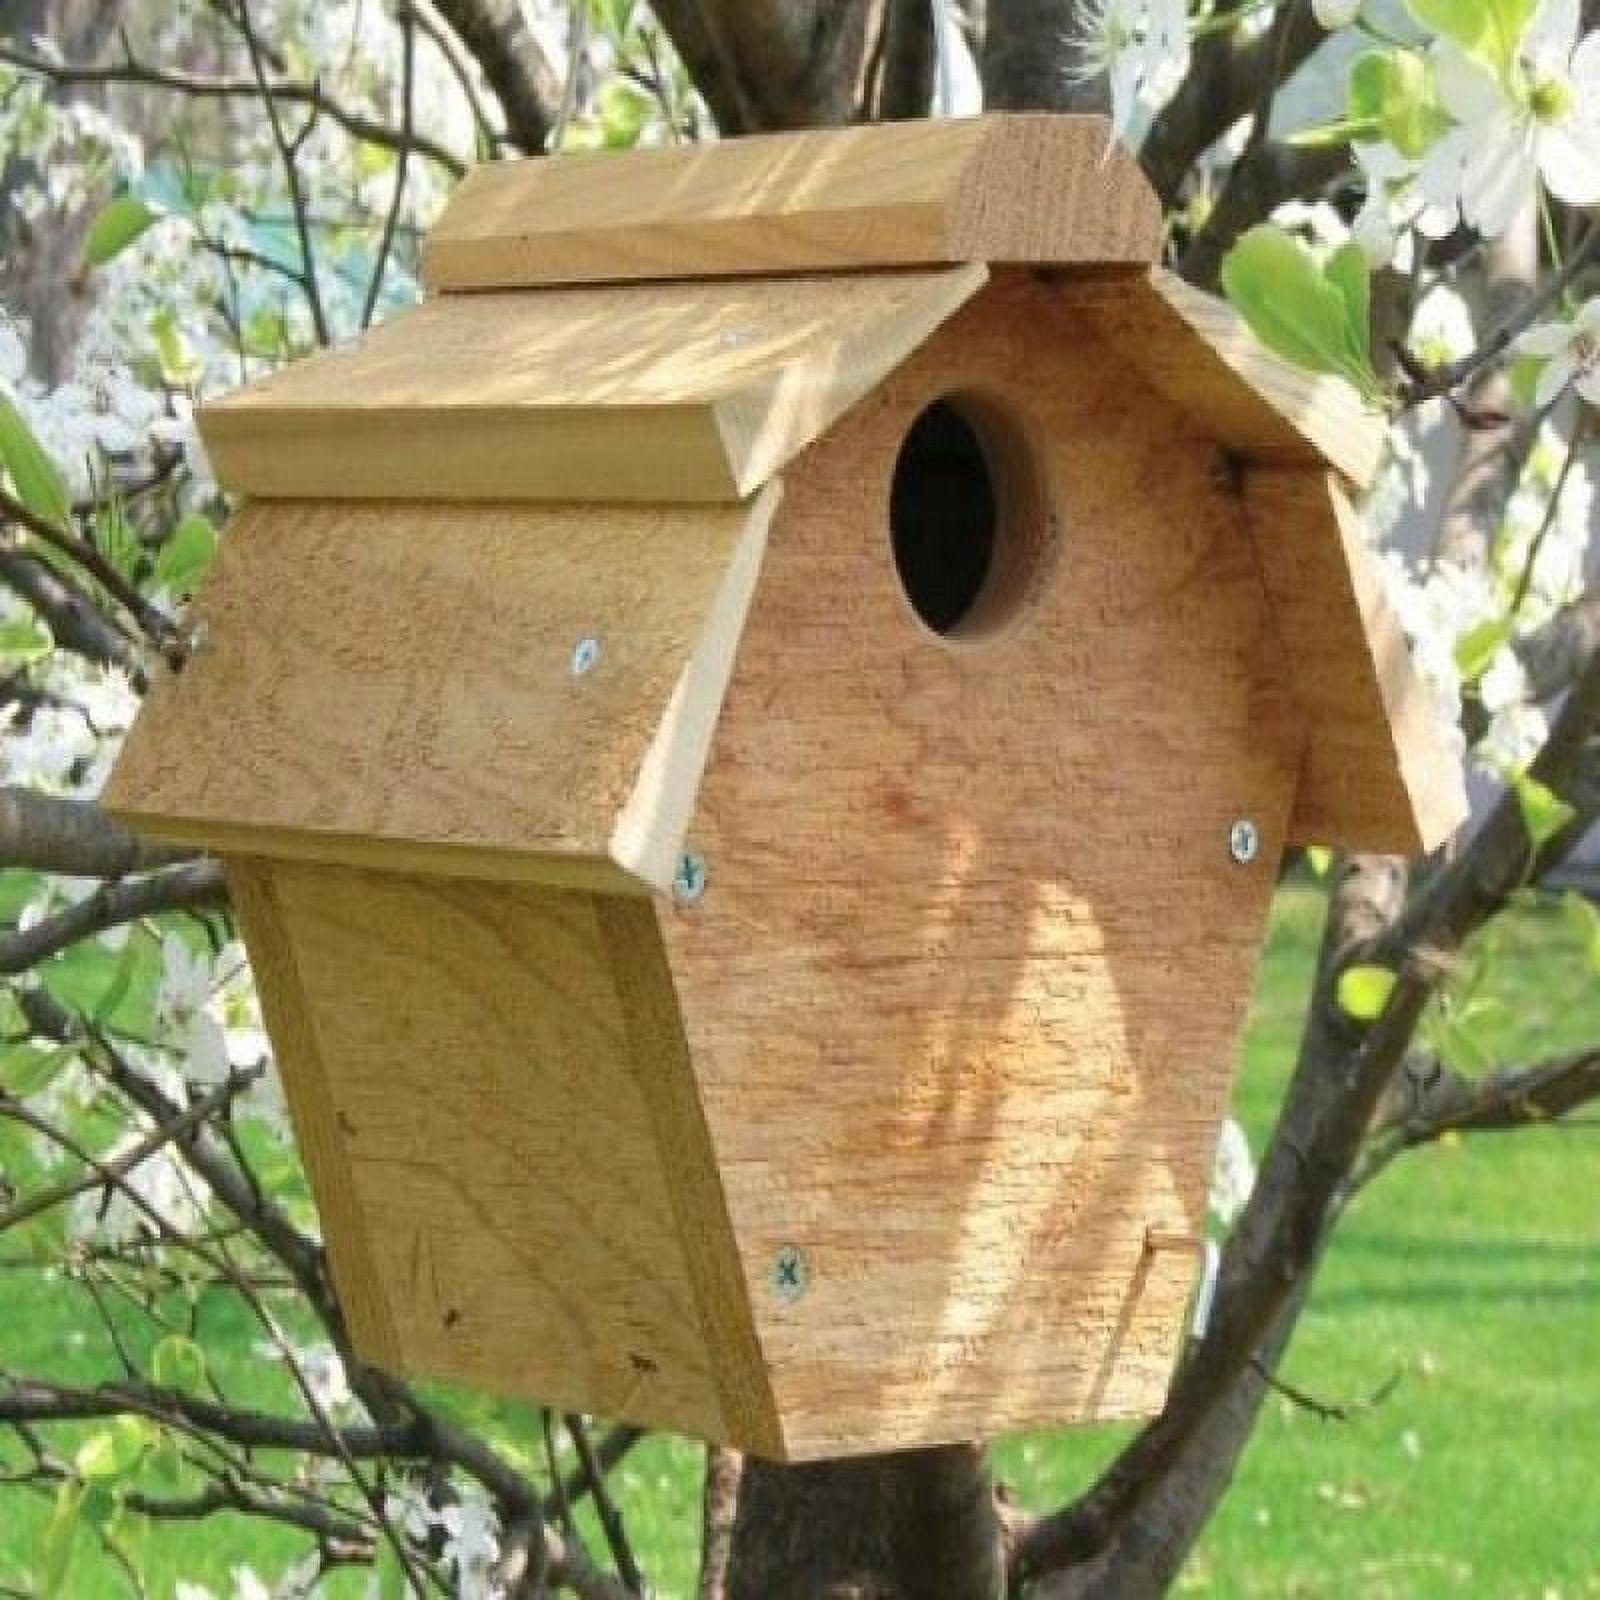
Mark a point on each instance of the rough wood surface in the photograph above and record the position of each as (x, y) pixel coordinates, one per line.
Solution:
(653, 392)
(547, 1226)
(963, 989)
(394, 685)
(1378, 774)
(1195, 349)
(286, 1007)
(996, 188)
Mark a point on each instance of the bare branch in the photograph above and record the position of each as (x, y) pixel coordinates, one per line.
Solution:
(189, 886)
(196, 87)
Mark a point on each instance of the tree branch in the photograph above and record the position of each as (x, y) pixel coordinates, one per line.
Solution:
(499, 39)
(73, 837)
(189, 886)
(197, 87)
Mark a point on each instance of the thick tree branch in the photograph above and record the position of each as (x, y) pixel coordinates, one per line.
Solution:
(73, 837)
(498, 37)
(76, 623)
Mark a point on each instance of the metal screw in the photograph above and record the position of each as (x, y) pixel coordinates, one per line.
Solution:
(1243, 841)
(689, 881)
(584, 655)
(790, 1275)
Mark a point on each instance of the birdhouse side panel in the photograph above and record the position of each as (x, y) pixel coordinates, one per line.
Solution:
(487, 1147)
(963, 988)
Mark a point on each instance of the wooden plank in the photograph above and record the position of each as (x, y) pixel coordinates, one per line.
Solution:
(394, 685)
(347, 1228)
(643, 392)
(1195, 349)
(1378, 774)
(499, 1132)
(963, 988)
(1014, 188)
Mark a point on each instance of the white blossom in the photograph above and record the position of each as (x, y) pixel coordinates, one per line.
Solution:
(184, 1010)
(1537, 119)
(1142, 49)
(1233, 1174)
(1335, 14)
(1571, 352)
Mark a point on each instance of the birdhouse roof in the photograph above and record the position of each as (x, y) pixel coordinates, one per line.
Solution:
(580, 435)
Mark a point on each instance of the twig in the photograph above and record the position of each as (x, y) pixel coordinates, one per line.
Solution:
(408, 65)
(287, 91)
(162, 631)
(1325, 1410)
(288, 155)
(1440, 380)
(190, 886)
(605, 1507)
(101, 1173)
(75, 838)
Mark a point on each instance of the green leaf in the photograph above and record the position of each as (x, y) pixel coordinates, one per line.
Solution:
(115, 1451)
(27, 1068)
(60, 1540)
(622, 110)
(1544, 812)
(1363, 991)
(24, 641)
(1392, 91)
(1319, 858)
(1584, 921)
(1467, 22)
(178, 362)
(1476, 649)
(1507, 22)
(33, 473)
(1293, 307)
(187, 554)
(117, 226)
(178, 1363)
(1349, 273)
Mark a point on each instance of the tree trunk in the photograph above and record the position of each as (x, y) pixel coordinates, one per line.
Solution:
(919, 1525)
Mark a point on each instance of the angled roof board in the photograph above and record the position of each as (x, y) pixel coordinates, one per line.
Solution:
(396, 685)
(685, 391)
(999, 188)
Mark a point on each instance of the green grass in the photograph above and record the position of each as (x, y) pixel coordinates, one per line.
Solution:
(1471, 1269)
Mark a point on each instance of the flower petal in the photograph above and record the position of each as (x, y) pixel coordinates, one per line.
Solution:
(1569, 162)
(1557, 371)
(1546, 339)
(1468, 90)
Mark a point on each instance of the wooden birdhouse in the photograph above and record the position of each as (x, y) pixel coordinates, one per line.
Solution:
(752, 735)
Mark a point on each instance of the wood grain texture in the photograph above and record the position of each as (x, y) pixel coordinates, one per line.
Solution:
(1378, 774)
(963, 989)
(995, 188)
(654, 392)
(393, 685)
(1195, 349)
(485, 1099)
(286, 1007)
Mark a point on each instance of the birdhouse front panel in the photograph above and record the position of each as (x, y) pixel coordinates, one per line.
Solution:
(752, 736)
(963, 989)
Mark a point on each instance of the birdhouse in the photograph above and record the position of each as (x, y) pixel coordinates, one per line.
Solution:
(752, 735)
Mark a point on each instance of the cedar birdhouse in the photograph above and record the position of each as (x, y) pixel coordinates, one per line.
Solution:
(752, 734)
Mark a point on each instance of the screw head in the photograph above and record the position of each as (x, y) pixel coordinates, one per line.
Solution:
(1244, 841)
(689, 881)
(790, 1275)
(584, 655)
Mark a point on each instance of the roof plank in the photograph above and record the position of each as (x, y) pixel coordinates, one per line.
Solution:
(648, 392)
(1377, 773)
(1197, 351)
(998, 188)
(394, 686)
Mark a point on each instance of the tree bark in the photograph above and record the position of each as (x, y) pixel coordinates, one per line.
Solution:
(784, 64)
(1030, 58)
(919, 1525)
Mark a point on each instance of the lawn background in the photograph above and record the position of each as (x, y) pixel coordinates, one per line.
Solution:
(1470, 1269)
